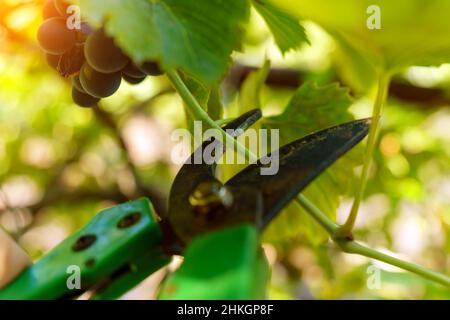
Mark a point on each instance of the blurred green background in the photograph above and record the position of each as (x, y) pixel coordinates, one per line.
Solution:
(60, 164)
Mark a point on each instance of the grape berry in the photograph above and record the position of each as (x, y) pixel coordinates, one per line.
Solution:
(91, 58)
(102, 54)
(54, 36)
(132, 80)
(151, 68)
(83, 99)
(133, 71)
(76, 83)
(99, 84)
(53, 60)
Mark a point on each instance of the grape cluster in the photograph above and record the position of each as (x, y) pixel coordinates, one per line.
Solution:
(95, 64)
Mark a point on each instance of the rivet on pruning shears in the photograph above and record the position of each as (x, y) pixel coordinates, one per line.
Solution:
(210, 196)
(84, 242)
(129, 220)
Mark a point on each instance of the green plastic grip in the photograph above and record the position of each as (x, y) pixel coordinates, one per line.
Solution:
(227, 265)
(114, 252)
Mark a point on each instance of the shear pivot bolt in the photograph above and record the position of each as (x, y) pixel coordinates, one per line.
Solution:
(210, 196)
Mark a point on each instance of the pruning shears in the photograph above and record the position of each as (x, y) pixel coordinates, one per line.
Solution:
(215, 226)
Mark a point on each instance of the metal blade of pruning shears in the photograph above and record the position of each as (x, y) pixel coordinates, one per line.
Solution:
(250, 196)
(300, 162)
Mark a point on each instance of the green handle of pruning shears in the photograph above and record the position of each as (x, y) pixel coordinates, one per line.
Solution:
(114, 252)
(121, 246)
(225, 265)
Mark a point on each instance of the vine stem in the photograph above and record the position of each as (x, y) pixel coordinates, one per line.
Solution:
(197, 111)
(222, 122)
(334, 230)
(383, 86)
(353, 247)
(320, 217)
(357, 248)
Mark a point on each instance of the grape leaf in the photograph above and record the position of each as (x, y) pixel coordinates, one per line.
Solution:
(354, 68)
(196, 36)
(249, 95)
(286, 29)
(215, 106)
(314, 108)
(413, 32)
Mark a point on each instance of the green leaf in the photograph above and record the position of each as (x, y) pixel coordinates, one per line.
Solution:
(354, 68)
(215, 106)
(196, 36)
(314, 108)
(286, 29)
(413, 32)
(249, 95)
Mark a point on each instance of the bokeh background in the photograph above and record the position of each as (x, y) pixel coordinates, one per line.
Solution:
(60, 164)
